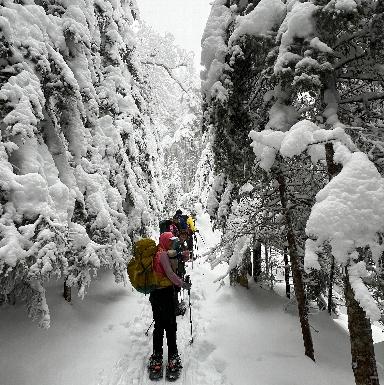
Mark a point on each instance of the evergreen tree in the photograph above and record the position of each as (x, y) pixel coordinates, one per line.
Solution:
(80, 175)
(279, 71)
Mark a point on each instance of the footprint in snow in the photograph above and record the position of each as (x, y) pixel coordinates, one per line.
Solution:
(109, 328)
(205, 349)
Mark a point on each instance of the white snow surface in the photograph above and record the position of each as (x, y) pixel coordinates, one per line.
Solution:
(239, 335)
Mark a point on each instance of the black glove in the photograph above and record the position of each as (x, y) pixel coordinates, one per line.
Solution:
(186, 285)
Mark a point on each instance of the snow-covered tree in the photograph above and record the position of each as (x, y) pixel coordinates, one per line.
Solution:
(175, 107)
(80, 175)
(302, 80)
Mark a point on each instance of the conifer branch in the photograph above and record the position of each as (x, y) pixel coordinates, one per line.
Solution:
(362, 98)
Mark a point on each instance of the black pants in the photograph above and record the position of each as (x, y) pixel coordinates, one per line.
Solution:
(163, 308)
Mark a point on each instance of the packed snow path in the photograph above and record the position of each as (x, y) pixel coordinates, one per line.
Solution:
(241, 337)
(198, 365)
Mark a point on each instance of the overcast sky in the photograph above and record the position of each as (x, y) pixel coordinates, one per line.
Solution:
(185, 19)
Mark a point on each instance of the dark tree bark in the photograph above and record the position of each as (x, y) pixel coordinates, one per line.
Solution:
(266, 260)
(330, 305)
(256, 253)
(67, 292)
(360, 332)
(233, 277)
(333, 169)
(286, 274)
(248, 263)
(296, 270)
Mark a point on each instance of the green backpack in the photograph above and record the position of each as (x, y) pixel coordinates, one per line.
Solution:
(140, 267)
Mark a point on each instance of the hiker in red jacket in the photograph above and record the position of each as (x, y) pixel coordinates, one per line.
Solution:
(163, 306)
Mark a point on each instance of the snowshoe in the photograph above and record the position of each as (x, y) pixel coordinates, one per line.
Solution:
(155, 367)
(173, 369)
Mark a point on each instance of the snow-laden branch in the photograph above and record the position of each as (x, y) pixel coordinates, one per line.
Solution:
(169, 71)
(303, 136)
(348, 37)
(347, 60)
(362, 98)
(348, 214)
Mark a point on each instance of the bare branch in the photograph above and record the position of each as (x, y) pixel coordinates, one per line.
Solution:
(169, 70)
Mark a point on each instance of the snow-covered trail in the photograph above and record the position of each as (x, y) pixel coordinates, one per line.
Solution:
(241, 337)
(198, 366)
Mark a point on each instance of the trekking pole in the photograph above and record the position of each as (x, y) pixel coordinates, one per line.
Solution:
(195, 245)
(193, 255)
(146, 333)
(188, 280)
(202, 239)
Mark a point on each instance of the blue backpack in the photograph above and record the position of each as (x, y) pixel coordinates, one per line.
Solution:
(182, 223)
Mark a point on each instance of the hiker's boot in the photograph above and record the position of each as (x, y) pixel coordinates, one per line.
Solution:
(155, 367)
(174, 367)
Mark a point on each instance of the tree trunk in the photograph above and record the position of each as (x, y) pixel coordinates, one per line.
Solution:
(67, 292)
(248, 263)
(360, 332)
(296, 270)
(330, 286)
(256, 260)
(286, 274)
(233, 274)
(333, 169)
(266, 261)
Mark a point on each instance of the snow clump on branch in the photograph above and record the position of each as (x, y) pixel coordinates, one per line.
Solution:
(261, 21)
(303, 136)
(348, 213)
(214, 48)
